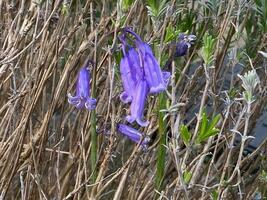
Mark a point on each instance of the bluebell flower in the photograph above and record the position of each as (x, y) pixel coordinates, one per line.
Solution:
(157, 82)
(181, 48)
(130, 73)
(133, 135)
(140, 74)
(155, 77)
(138, 104)
(184, 43)
(82, 98)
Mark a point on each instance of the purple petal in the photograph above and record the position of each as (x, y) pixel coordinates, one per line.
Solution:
(138, 104)
(181, 36)
(130, 70)
(166, 76)
(153, 74)
(141, 122)
(181, 49)
(125, 98)
(80, 104)
(83, 83)
(137, 37)
(90, 103)
(128, 82)
(76, 101)
(132, 134)
(184, 44)
(73, 99)
(191, 38)
(135, 64)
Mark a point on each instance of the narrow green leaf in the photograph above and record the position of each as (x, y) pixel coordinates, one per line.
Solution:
(171, 34)
(208, 48)
(94, 148)
(161, 154)
(125, 4)
(187, 175)
(185, 134)
(214, 195)
(204, 122)
(214, 122)
(210, 133)
(207, 128)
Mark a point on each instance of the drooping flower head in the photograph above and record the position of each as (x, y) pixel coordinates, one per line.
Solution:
(131, 72)
(153, 74)
(138, 104)
(184, 43)
(140, 74)
(82, 98)
(133, 135)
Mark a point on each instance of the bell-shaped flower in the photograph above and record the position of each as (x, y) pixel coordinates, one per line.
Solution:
(140, 74)
(157, 81)
(82, 98)
(133, 135)
(138, 104)
(130, 74)
(184, 43)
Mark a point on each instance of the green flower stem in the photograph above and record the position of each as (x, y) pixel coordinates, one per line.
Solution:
(93, 131)
(162, 142)
(93, 145)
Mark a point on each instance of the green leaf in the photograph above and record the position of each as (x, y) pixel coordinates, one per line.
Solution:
(185, 134)
(211, 133)
(156, 9)
(261, 9)
(208, 48)
(214, 121)
(187, 21)
(171, 33)
(214, 195)
(187, 175)
(207, 128)
(65, 9)
(204, 122)
(125, 4)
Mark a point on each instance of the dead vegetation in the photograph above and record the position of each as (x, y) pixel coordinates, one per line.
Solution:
(46, 143)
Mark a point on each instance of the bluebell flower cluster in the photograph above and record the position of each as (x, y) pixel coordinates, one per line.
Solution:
(141, 75)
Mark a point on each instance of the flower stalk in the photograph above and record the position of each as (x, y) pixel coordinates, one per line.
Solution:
(161, 153)
(93, 130)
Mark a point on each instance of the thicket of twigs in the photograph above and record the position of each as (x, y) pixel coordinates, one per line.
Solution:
(198, 129)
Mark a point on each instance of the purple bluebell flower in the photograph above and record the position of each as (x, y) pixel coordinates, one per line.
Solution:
(184, 43)
(181, 47)
(140, 74)
(133, 135)
(156, 79)
(130, 74)
(82, 97)
(152, 71)
(134, 84)
(138, 104)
